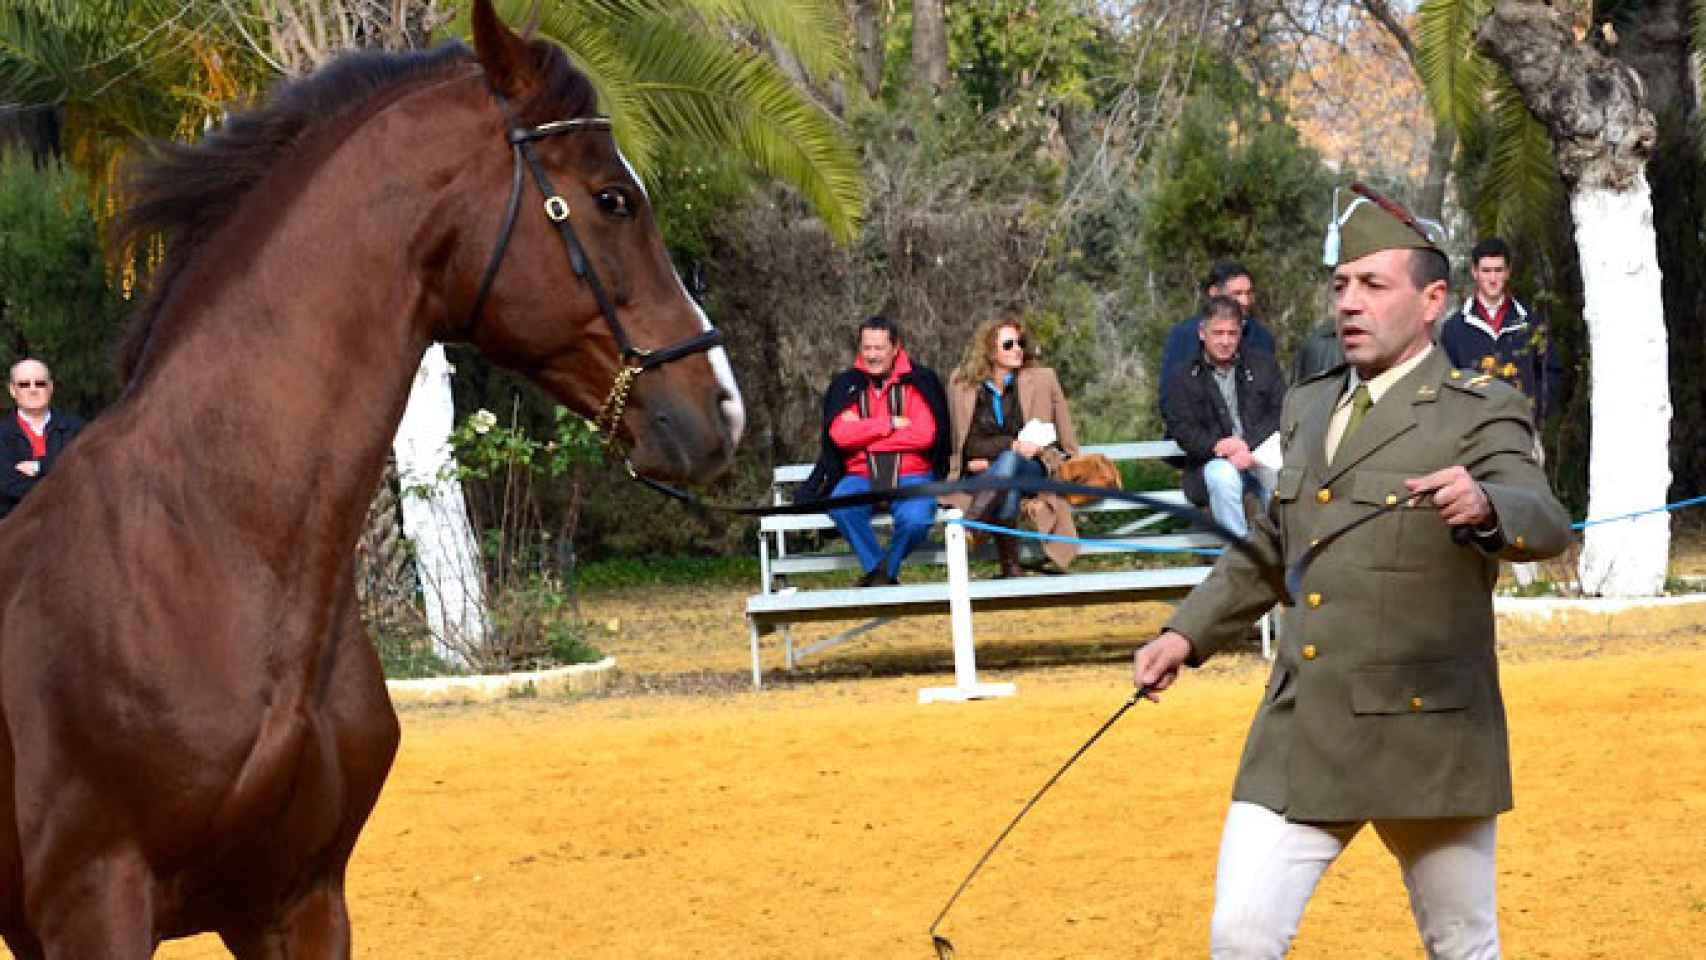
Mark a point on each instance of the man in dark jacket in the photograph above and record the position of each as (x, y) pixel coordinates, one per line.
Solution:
(1220, 407)
(34, 436)
(885, 426)
(1494, 333)
(1227, 279)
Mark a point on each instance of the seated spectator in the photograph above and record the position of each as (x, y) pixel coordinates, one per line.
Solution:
(1228, 279)
(1221, 406)
(996, 391)
(35, 435)
(885, 426)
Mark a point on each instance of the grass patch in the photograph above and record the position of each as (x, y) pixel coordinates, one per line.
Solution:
(619, 573)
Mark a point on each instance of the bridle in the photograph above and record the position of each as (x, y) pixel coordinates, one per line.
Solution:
(635, 360)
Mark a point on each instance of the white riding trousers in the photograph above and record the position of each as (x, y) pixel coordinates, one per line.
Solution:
(1269, 867)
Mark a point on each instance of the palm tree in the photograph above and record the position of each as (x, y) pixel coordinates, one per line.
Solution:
(115, 72)
(1563, 109)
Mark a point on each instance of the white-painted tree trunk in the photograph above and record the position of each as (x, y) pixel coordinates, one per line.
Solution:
(1629, 466)
(435, 516)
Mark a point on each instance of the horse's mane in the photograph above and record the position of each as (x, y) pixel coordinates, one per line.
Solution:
(183, 193)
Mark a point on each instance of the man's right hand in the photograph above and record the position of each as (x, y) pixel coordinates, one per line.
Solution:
(851, 414)
(977, 465)
(1229, 447)
(900, 423)
(1156, 664)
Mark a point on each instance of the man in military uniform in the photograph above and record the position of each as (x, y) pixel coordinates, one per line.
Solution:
(1383, 705)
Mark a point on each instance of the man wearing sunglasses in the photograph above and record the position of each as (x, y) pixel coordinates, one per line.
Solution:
(34, 436)
(1383, 706)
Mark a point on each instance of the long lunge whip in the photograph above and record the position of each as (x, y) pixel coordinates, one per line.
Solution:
(944, 946)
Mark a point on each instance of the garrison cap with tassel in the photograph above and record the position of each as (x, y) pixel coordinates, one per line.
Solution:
(1370, 223)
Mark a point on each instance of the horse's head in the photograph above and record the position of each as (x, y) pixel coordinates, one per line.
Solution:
(578, 292)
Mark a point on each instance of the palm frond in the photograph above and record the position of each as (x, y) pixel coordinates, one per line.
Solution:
(1522, 191)
(663, 75)
(813, 32)
(744, 103)
(1455, 75)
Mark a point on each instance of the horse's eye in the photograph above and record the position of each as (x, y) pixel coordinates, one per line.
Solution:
(614, 202)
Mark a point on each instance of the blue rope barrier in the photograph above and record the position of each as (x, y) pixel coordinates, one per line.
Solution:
(1667, 508)
(1083, 541)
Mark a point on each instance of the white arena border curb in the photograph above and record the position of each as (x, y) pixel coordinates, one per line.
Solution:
(1545, 608)
(490, 687)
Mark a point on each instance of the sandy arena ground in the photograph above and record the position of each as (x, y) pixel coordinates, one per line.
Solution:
(832, 816)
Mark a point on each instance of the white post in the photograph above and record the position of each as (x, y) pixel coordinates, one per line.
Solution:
(435, 516)
(965, 685)
(1629, 463)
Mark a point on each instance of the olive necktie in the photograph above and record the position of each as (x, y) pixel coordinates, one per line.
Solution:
(1361, 400)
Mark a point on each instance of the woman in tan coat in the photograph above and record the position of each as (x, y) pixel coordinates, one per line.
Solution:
(994, 393)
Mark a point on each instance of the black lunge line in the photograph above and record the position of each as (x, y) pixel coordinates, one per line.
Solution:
(945, 947)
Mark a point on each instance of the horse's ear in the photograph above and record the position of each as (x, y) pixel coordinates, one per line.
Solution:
(505, 57)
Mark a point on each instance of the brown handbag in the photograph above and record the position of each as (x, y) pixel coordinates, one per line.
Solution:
(1090, 470)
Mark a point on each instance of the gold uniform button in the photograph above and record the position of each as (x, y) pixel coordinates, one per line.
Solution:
(1415, 703)
(1520, 545)
(1309, 651)
(1323, 495)
(1315, 541)
(1314, 600)
(1392, 499)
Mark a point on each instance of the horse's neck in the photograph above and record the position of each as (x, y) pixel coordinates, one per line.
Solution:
(286, 373)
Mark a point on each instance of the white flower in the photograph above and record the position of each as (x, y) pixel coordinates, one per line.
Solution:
(482, 420)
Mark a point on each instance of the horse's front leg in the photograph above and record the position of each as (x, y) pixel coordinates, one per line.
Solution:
(315, 927)
(92, 907)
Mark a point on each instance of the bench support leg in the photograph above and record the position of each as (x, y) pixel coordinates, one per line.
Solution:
(757, 674)
(965, 685)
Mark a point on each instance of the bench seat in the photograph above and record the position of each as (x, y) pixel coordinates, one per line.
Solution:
(779, 604)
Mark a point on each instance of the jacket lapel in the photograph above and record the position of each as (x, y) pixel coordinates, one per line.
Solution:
(1388, 420)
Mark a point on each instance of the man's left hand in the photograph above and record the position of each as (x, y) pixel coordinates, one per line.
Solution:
(1459, 499)
(1026, 449)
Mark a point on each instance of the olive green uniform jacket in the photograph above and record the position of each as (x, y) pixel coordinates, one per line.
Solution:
(1384, 701)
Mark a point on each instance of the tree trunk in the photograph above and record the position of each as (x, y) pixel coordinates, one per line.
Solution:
(1593, 109)
(868, 38)
(929, 46)
(435, 516)
(1657, 46)
(1431, 204)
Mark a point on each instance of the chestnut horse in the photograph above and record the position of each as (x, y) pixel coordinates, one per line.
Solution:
(195, 724)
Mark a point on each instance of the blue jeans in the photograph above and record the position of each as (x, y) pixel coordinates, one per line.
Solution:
(913, 517)
(1226, 486)
(1009, 466)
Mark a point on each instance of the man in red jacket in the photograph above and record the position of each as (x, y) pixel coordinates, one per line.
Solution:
(885, 426)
